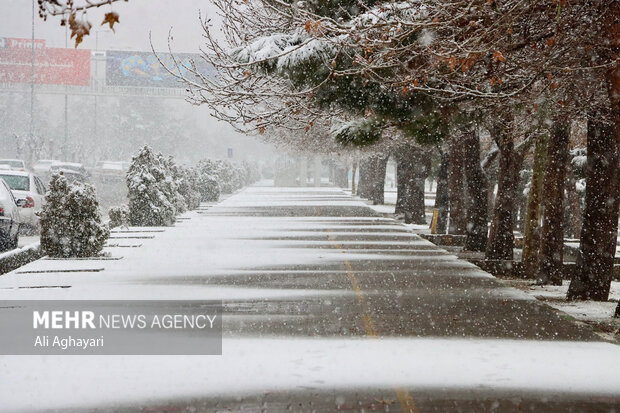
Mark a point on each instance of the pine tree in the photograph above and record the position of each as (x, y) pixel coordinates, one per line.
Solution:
(208, 185)
(227, 176)
(71, 224)
(171, 185)
(150, 190)
(119, 216)
(187, 184)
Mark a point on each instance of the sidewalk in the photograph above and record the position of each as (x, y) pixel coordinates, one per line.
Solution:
(327, 306)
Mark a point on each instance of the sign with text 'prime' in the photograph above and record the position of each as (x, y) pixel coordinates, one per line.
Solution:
(143, 69)
(52, 66)
(15, 43)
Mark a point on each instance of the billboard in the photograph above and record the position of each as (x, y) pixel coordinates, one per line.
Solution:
(143, 69)
(52, 66)
(15, 43)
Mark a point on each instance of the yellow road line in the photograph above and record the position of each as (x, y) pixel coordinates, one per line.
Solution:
(405, 399)
(371, 331)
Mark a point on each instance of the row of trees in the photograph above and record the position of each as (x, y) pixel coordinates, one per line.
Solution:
(408, 77)
(404, 77)
(158, 190)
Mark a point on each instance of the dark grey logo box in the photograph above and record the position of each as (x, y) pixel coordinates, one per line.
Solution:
(146, 327)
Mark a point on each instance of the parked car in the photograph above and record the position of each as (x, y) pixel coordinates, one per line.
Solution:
(70, 167)
(27, 186)
(72, 175)
(9, 217)
(110, 171)
(14, 164)
(42, 166)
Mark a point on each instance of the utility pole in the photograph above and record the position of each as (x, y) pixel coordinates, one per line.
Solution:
(97, 75)
(64, 145)
(31, 134)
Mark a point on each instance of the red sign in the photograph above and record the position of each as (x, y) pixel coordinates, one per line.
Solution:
(13, 43)
(51, 66)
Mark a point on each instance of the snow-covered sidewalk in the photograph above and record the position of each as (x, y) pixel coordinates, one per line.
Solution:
(321, 295)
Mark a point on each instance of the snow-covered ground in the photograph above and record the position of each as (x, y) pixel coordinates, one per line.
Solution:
(252, 365)
(391, 195)
(555, 296)
(598, 313)
(203, 254)
(389, 205)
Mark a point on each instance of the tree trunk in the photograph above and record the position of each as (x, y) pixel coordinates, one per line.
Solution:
(412, 169)
(442, 197)
(341, 178)
(500, 244)
(551, 253)
(378, 183)
(415, 212)
(600, 219)
(372, 178)
(363, 186)
(477, 188)
(458, 219)
(532, 218)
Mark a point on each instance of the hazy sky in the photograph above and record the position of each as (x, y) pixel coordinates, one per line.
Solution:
(137, 18)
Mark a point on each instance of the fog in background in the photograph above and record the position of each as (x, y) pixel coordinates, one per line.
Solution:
(172, 126)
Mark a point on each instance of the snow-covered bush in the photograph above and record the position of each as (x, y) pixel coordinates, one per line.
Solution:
(151, 190)
(578, 158)
(187, 184)
(216, 175)
(252, 172)
(71, 224)
(208, 185)
(172, 185)
(119, 216)
(228, 176)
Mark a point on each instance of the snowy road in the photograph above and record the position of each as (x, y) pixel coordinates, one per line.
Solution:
(328, 307)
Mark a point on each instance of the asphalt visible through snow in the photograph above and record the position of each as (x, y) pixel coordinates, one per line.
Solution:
(348, 311)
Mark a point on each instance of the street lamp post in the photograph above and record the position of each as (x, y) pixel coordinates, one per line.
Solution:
(64, 146)
(97, 75)
(31, 133)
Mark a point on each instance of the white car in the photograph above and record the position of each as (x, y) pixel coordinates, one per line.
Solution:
(14, 164)
(110, 171)
(9, 217)
(42, 166)
(27, 186)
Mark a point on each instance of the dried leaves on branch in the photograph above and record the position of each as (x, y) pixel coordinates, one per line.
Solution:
(292, 65)
(75, 14)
